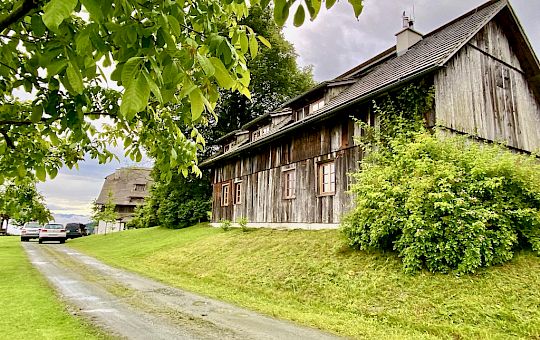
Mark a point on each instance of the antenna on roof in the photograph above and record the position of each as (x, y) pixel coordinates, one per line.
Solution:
(408, 22)
(413, 13)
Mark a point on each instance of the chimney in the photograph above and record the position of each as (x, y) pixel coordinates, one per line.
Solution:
(407, 37)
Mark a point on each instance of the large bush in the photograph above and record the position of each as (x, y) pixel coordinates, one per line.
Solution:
(178, 202)
(445, 203)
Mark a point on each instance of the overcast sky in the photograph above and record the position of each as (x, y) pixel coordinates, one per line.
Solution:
(333, 43)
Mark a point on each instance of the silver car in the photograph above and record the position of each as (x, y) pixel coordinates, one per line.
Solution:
(29, 231)
(52, 232)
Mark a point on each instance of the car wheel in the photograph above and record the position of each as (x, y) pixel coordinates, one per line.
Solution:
(23, 239)
(40, 241)
(62, 241)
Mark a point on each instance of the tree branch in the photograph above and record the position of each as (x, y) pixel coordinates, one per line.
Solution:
(18, 13)
(51, 120)
(9, 142)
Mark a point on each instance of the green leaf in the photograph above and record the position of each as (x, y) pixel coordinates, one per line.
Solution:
(135, 98)
(313, 6)
(206, 65)
(281, 12)
(264, 41)
(130, 70)
(253, 46)
(174, 25)
(56, 11)
(75, 78)
(153, 87)
(38, 28)
(83, 43)
(264, 3)
(21, 171)
(222, 75)
(56, 67)
(197, 104)
(299, 16)
(330, 3)
(52, 173)
(40, 173)
(357, 7)
(94, 8)
(37, 112)
(243, 42)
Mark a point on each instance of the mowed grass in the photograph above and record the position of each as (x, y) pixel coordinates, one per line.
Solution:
(312, 278)
(29, 307)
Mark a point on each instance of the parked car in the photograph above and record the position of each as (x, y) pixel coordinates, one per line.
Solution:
(13, 230)
(75, 230)
(52, 232)
(29, 231)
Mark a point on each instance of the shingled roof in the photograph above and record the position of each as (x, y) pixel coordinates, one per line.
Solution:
(125, 184)
(388, 70)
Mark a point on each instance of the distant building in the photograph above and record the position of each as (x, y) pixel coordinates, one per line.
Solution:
(129, 188)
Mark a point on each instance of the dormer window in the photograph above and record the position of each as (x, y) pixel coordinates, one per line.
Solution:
(309, 109)
(139, 187)
(316, 106)
(228, 147)
(257, 134)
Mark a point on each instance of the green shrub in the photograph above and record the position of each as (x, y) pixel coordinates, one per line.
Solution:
(445, 203)
(243, 221)
(225, 225)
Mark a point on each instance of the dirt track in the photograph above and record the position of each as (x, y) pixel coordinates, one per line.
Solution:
(130, 306)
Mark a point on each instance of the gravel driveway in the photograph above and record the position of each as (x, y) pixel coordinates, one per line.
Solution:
(130, 306)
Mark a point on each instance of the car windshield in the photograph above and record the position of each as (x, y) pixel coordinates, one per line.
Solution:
(32, 225)
(53, 226)
(72, 227)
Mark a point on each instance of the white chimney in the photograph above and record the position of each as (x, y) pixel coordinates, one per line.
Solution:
(407, 37)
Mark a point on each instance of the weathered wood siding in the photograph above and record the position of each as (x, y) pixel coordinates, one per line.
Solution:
(484, 92)
(261, 176)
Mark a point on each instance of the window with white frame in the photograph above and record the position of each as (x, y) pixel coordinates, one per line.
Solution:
(238, 193)
(260, 132)
(316, 106)
(289, 184)
(228, 147)
(225, 195)
(327, 178)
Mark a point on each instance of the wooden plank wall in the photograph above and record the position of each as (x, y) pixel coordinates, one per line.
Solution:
(487, 94)
(262, 180)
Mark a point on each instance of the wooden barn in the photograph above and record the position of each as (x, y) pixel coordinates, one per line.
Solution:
(289, 168)
(128, 188)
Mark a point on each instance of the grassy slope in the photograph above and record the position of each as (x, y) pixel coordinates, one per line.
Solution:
(30, 310)
(310, 277)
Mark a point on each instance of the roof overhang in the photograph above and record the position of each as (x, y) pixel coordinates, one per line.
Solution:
(316, 118)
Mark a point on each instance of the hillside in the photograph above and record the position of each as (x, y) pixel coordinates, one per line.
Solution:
(312, 278)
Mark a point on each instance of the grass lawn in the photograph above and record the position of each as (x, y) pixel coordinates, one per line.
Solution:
(29, 307)
(312, 278)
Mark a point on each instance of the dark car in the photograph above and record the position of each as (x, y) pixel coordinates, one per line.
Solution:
(75, 230)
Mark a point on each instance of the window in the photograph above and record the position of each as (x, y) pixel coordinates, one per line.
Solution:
(289, 184)
(225, 195)
(260, 133)
(302, 112)
(228, 147)
(327, 178)
(139, 187)
(316, 105)
(237, 193)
